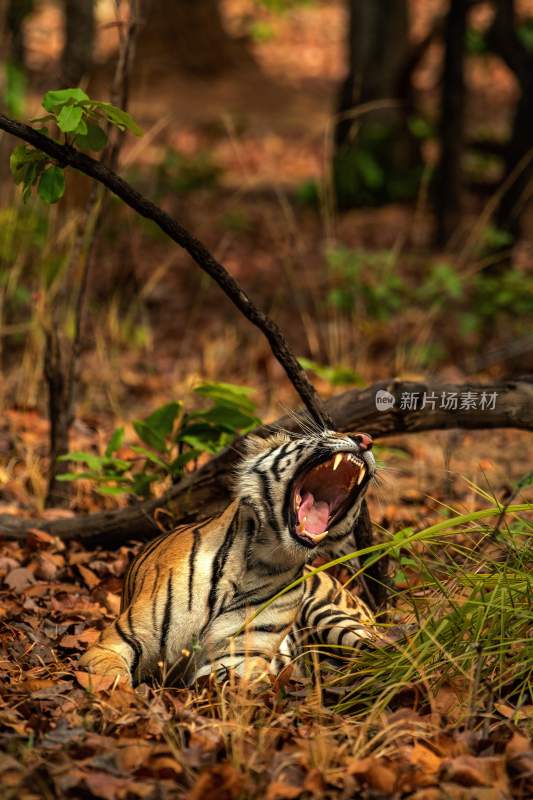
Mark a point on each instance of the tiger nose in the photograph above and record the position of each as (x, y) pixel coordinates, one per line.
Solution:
(363, 440)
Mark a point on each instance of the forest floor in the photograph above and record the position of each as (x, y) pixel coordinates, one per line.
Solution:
(459, 725)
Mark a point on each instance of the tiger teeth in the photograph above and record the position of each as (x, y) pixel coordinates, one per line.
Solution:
(314, 537)
(361, 475)
(337, 461)
(317, 537)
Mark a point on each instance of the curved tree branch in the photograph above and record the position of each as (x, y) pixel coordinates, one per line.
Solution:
(210, 487)
(67, 156)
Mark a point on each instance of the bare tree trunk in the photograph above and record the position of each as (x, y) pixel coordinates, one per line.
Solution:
(452, 133)
(77, 56)
(519, 156)
(16, 12)
(376, 158)
(188, 35)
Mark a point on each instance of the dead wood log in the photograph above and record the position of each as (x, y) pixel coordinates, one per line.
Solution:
(207, 490)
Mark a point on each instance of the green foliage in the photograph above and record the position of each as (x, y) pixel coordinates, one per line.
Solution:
(334, 375)
(494, 239)
(52, 184)
(443, 283)
(80, 119)
(421, 127)
(366, 281)
(374, 287)
(15, 89)
(476, 42)
(170, 438)
(261, 31)
(307, 193)
(237, 220)
(473, 615)
(381, 165)
(525, 33)
(509, 294)
(281, 6)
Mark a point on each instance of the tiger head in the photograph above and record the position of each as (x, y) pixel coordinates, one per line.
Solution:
(307, 489)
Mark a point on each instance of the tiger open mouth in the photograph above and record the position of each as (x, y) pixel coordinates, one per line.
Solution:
(323, 494)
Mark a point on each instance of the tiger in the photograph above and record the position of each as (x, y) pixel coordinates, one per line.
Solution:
(231, 593)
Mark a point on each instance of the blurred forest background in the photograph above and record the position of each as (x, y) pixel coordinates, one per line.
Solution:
(364, 168)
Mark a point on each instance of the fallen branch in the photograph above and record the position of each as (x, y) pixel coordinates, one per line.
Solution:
(67, 156)
(207, 490)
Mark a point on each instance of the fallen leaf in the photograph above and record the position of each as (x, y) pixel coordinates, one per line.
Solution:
(472, 771)
(96, 683)
(278, 790)
(381, 777)
(19, 579)
(48, 565)
(221, 782)
(79, 641)
(37, 539)
(91, 580)
(517, 745)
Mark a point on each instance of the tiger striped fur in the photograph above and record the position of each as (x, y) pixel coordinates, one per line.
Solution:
(190, 598)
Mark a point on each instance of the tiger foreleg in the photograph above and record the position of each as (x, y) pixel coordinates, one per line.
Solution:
(337, 628)
(251, 669)
(119, 652)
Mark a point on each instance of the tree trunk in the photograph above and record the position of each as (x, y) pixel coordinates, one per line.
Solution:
(376, 158)
(17, 11)
(449, 183)
(188, 35)
(519, 160)
(77, 56)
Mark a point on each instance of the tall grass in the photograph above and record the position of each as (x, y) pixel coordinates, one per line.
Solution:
(470, 605)
(467, 617)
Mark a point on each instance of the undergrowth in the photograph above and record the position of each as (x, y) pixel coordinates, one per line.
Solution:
(468, 621)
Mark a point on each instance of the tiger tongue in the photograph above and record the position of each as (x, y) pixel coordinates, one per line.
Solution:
(313, 516)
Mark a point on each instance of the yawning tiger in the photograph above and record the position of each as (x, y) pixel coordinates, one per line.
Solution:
(204, 598)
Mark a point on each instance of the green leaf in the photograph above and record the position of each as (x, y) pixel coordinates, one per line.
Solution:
(45, 118)
(161, 421)
(525, 481)
(149, 436)
(15, 89)
(150, 456)
(336, 375)
(201, 444)
(176, 467)
(69, 118)
(77, 476)
(142, 483)
(227, 418)
(94, 139)
(115, 466)
(118, 117)
(21, 157)
(59, 97)
(113, 490)
(91, 459)
(52, 185)
(115, 443)
(228, 393)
